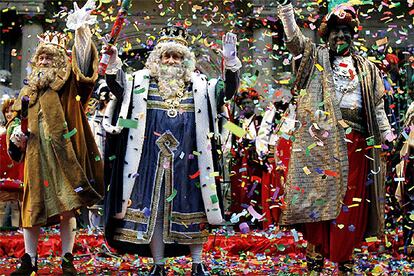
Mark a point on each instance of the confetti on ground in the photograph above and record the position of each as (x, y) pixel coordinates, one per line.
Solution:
(259, 252)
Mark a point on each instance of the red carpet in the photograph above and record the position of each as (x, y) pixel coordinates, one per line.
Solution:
(12, 244)
(257, 253)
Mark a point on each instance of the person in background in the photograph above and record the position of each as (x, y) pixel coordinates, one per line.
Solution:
(404, 179)
(9, 170)
(5, 91)
(96, 112)
(246, 173)
(273, 147)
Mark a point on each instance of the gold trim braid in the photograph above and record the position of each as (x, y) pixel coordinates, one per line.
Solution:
(167, 144)
(164, 106)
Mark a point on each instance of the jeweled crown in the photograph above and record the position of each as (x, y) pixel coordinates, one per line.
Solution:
(54, 38)
(174, 33)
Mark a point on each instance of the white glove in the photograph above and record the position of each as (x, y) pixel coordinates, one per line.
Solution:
(231, 61)
(114, 63)
(79, 17)
(229, 46)
(19, 138)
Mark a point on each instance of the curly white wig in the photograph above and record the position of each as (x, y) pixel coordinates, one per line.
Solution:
(154, 59)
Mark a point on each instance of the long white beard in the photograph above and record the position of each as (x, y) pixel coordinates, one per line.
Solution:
(41, 77)
(171, 80)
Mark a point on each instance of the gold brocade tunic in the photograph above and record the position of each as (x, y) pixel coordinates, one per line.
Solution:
(315, 84)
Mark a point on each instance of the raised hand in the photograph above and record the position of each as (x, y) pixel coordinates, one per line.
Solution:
(110, 58)
(112, 51)
(82, 16)
(19, 138)
(229, 46)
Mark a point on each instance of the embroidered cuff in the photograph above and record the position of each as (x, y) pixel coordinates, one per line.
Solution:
(233, 65)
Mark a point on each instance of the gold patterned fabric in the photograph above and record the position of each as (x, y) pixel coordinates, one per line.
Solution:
(303, 190)
(164, 106)
(311, 196)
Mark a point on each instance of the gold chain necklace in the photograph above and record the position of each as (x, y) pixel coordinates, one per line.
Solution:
(173, 103)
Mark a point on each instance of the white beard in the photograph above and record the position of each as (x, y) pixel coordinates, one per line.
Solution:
(41, 77)
(171, 80)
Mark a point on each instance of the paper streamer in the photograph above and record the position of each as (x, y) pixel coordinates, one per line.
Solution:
(70, 133)
(254, 214)
(171, 197)
(235, 129)
(127, 123)
(244, 228)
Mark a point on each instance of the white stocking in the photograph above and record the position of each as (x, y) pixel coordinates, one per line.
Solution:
(196, 252)
(31, 238)
(157, 243)
(67, 231)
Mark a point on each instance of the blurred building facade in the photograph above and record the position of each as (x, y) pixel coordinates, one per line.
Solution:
(260, 33)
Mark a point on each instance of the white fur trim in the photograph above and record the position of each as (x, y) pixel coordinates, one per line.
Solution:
(123, 113)
(203, 89)
(135, 135)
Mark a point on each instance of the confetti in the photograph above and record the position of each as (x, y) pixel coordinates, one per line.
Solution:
(319, 67)
(139, 91)
(306, 170)
(195, 175)
(235, 129)
(127, 123)
(171, 197)
(70, 133)
(214, 199)
(254, 213)
(244, 228)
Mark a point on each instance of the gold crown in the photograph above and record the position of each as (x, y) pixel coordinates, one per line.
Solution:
(174, 33)
(54, 38)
